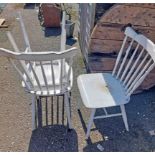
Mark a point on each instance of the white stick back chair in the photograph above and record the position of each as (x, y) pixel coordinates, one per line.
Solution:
(42, 73)
(135, 60)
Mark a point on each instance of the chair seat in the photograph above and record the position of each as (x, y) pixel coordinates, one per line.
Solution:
(100, 90)
(47, 68)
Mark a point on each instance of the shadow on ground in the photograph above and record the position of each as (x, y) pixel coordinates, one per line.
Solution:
(141, 118)
(48, 31)
(71, 41)
(55, 138)
(48, 136)
(31, 5)
(53, 31)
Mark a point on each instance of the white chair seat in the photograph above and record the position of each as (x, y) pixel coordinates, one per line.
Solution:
(48, 73)
(100, 90)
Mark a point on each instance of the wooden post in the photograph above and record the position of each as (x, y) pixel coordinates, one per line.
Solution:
(63, 33)
(63, 41)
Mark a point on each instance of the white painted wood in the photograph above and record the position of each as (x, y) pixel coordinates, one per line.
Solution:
(129, 63)
(29, 87)
(136, 72)
(53, 76)
(68, 110)
(130, 32)
(109, 115)
(99, 90)
(124, 59)
(63, 44)
(105, 111)
(63, 32)
(45, 73)
(147, 44)
(12, 41)
(35, 76)
(26, 39)
(44, 76)
(102, 90)
(61, 73)
(124, 117)
(86, 23)
(15, 47)
(39, 56)
(119, 56)
(132, 68)
(2, 20)
(90, 122)
(52, 89)
(42, 80)
(139, 75)
(141, 79)
(69, 71)
(33, 111)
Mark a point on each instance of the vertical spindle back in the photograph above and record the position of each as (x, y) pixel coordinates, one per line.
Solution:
(46, 75)
(135, 60)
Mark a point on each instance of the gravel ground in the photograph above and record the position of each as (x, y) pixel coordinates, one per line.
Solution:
(15, 111)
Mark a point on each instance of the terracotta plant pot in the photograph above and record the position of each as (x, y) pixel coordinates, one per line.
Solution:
(69, 28)
(51, 15)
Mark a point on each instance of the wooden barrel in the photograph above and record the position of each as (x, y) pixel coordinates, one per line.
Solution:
(107, 35)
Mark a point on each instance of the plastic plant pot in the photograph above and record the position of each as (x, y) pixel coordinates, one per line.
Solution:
(69, 28)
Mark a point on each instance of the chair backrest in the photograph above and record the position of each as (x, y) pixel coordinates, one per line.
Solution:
(135, 60)
(28, 61)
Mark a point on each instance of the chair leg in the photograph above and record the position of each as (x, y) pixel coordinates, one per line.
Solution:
(105, 111)
(68, 110)
(90, 122)
(33, 111)
(124, 117)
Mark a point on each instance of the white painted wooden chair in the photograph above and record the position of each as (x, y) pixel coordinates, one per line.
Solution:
(101, 90)
(42, 74)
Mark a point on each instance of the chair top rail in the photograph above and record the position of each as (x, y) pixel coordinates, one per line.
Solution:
(130, 32)
(147, 44)
(39, 56)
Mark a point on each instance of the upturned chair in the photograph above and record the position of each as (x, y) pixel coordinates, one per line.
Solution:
(44, 74)
(101, 90)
